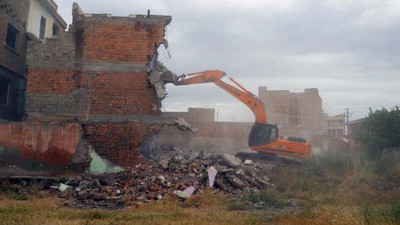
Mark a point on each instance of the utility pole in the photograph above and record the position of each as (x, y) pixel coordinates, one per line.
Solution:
(346, 130)
(348, 115)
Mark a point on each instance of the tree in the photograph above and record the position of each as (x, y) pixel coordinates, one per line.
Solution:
(380, 130)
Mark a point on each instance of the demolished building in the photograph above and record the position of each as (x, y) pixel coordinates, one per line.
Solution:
(213, 136)
(98, 84)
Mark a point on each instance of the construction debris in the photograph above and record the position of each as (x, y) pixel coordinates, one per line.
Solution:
(176, 171)
(170, 171)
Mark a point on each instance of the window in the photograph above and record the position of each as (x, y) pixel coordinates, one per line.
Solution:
(56, 30)
(262, 134)
(12, 37)
(4, 91)
(42, 30)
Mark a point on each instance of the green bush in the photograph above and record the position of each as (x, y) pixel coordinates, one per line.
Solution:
(389, 168)
(336, 162)
(380, 130)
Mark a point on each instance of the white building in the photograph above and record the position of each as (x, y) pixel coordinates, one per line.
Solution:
(43, 19)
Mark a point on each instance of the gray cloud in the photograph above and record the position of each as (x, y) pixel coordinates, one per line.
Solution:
(348, 49)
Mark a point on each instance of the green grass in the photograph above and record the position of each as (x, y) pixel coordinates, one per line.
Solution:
(207, 208)
(378, 215)
(235, 204)
(267, 196)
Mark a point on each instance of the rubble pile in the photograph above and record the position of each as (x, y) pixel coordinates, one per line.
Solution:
(173, 172)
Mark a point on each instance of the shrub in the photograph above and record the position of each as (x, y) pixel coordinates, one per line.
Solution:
(380, 130)
(335, 162)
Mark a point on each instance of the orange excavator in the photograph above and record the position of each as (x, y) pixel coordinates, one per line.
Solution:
(263, 137)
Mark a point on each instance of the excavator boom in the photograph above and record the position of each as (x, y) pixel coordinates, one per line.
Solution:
(242, 94)
(263, 137)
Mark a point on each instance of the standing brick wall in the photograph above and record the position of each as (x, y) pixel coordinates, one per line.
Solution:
(120, 142)
(99, 69)
(123, 93)
(124, 40)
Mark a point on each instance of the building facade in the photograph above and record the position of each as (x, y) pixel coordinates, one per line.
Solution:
(43, 19)
(296, 114)
(21, 20)
(335, 125)
(13, 20)
(354, 128)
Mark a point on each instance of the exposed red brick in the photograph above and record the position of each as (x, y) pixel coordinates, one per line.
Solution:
(48, 81)
(122, 93)
(122, 42)
(120, 142)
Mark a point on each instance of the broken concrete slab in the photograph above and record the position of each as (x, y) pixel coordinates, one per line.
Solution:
(63, 187)
(185, 194)
(248, 162)
(231, 160)
(64, 190)
(238, 183)
(98, 165)
(182, 124)
(212, 173)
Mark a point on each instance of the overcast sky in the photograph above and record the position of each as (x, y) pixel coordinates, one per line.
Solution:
(348, 49)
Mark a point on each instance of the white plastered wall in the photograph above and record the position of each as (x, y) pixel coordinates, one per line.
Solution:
(36, 11)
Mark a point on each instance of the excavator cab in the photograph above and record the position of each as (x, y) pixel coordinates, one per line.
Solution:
(262, 134)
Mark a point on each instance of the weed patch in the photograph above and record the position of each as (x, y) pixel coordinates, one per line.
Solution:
(268, 197)
(389, 214)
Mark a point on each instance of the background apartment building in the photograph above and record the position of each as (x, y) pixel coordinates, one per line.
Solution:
(296, 114)
(335, 125)
(13, 17)
(43, 20)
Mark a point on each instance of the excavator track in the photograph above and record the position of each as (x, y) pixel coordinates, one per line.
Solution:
(257, 156)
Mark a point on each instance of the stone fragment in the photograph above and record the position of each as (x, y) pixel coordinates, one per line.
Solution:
(248, 162)
(236, 181)
(63, 187)
(231, 160)
(212, 173)
(185, 194)
(164, 162)
(193, 156)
